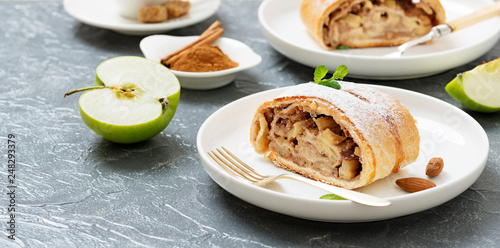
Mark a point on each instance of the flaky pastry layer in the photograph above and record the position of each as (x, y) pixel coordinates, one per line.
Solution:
(348, 138)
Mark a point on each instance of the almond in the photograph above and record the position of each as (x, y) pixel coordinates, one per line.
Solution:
(414, 184)
(434, 167)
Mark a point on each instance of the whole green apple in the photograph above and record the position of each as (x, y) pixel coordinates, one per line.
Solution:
(133, 99)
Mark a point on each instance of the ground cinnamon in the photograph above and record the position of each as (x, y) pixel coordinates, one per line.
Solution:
(203, 58)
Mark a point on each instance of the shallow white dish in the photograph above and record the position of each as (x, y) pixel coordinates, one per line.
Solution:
(445, 131)
(104, 14)
(156, 47)
(288, 35)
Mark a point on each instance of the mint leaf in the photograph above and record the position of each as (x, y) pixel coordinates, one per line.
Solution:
(330, 83)
(340, 72)
(320, 73)
(332, 197)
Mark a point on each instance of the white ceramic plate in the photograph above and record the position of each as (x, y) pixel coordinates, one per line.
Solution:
(445, 131)
(156, 47)
(104, 14)
(288, 35)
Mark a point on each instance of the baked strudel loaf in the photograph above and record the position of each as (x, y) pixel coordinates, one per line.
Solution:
(348, 138)
(369, 23)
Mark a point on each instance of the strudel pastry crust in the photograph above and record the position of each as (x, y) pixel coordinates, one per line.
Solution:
(348, 138)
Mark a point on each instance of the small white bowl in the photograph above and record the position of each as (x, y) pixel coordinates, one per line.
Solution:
(156, 47)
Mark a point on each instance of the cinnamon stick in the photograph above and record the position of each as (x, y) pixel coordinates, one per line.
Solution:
(214, 25)
(212, 33)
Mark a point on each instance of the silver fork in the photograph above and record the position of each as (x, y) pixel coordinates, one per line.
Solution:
(238, 168)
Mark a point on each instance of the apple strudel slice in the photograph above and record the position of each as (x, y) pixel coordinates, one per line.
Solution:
(369, 23)
(348, 138)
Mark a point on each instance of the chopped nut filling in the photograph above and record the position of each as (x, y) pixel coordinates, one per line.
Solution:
(310, 140)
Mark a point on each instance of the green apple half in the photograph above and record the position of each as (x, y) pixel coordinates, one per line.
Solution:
(479, 88)
(133, 99)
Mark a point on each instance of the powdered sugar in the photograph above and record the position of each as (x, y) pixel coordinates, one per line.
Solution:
(353, 99)
(357, 103)
(368, 110)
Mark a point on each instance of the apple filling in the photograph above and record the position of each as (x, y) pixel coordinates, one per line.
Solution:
(310, 140)
(374, 22)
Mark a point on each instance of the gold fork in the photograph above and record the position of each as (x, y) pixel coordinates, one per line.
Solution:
(238, 168)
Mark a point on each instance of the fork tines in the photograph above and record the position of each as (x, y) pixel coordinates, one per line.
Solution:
(233, 165)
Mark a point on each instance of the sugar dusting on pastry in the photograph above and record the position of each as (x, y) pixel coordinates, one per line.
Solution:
(359, 103)
(345, 99)
(349, 137)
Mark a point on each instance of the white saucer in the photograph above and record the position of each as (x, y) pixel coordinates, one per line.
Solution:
(445, 131)
(103, 14)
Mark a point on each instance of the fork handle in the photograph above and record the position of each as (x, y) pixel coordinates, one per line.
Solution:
(475, 17)
(348, 194)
